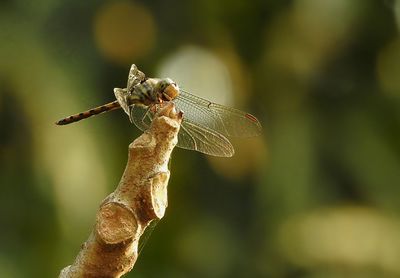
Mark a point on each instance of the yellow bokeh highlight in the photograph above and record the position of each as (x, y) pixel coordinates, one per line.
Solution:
(124, 31)
(301, 40)
(250, 154)
(351, 236)
(201, 72)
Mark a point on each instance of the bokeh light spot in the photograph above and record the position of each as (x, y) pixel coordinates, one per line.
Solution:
(302, 39)
(250, 153)
(354, 236)
(124, 31)
(200, 72)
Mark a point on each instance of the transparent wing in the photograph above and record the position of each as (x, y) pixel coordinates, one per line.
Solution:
(222, 119)
(191, 136)
(194, 137)
(142, 117)
(135, 76)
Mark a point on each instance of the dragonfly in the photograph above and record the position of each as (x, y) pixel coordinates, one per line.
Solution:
(206, 126)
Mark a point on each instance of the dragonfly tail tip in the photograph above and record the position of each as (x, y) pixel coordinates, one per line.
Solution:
(60, 122)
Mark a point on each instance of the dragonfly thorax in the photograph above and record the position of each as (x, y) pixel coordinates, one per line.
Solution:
(153, 91)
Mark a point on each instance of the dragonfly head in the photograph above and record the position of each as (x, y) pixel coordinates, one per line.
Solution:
(167, 89)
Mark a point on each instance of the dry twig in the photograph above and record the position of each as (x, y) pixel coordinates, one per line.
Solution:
(141, 196)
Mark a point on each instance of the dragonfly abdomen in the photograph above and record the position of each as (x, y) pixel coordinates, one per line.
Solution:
(86, 114)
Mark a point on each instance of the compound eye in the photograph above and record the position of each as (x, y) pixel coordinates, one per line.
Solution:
(171, 91)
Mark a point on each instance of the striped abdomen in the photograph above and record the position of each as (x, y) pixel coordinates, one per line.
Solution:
(95, 111)
(142, 94)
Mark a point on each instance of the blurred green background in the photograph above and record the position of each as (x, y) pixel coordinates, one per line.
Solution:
(317, 195)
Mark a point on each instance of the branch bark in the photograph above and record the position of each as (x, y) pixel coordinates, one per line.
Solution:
(141, 196)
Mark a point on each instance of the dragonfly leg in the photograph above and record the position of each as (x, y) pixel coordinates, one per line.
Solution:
(167, 97)
(145, 114)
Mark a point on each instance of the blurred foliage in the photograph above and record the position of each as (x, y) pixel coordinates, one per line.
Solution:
(316, 196)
